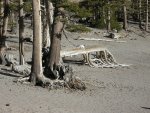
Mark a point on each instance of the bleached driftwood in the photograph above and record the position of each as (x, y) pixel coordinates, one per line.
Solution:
(94, 56)
(98, 39)
(21, 69)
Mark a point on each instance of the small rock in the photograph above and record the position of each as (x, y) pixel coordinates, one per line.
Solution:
(7, 104)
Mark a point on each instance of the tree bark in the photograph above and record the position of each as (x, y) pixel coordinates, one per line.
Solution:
(37, 71)
(55, 46)
(21, 34)
(125, 16)
(1, 8)
(146, 23)
(12, 18)
(1, 21)
(49, 15)
(140, 19)
(54, 60)
(3, 30)
(108, 23)
(5, 18)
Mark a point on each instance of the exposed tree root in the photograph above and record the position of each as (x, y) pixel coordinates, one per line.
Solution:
(69, 81)
(95, 57)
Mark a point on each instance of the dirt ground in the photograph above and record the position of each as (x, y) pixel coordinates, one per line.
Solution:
(109, 90)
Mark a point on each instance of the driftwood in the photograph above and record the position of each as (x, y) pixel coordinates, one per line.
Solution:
(21, 69)
(94, 57)
(98, 39)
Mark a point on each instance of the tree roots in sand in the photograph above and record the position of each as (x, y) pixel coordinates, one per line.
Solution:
(69, 81)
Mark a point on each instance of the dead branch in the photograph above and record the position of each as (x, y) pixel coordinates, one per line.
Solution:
(97, 39)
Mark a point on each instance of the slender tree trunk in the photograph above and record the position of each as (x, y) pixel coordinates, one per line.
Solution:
(3, 30)
(108, 24)
(49, 15)
(43, 19)
(1, 20)
(125, 16)
(1, 8)
(2, 59)
(37, 71)
(21, 34)
(146, 23)
(46, 36)
(104, 16)
(12, 18)
(5, 18)
(140, 19)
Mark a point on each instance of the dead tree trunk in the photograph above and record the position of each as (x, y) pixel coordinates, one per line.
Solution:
(21, 34)
(54, 59)
(49, 15)
(146, 23)
(125, 16)
(44, 26)
(37, 71)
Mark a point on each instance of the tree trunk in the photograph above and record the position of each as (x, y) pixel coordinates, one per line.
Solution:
(108, 24)
(12, 18)
(1, 21)
(3, 30)
(140, 19)
(44, 26)
(146, 23)
(21, 34)
(37, 71)
(55, 46)
(5, 18)
(1, 8)
(49, 15)
(125, 16)
(54, 60)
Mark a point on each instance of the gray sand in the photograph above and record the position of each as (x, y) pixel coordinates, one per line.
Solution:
(119, 90)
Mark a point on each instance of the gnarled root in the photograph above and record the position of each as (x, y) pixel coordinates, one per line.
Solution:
(75, 83)
(69, 81)
(102, 59)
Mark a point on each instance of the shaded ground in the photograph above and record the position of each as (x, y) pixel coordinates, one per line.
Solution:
(120, 90)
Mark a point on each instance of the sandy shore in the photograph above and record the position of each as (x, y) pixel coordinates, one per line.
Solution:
(119, 90)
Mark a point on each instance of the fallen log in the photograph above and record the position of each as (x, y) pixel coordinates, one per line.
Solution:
(21, 69)
(98, 39)
(94, 57)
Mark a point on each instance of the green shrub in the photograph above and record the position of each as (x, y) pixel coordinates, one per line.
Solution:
(115, 24)
(100, 24)
(77, 28)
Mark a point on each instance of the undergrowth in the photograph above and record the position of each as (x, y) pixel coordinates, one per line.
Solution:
(77, 28)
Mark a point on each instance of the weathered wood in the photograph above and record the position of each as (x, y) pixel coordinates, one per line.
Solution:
(94, 57)
(22, 69)
(79, 51)
(21, 34)
(97, 39)
(37, 70)
(125, 16)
